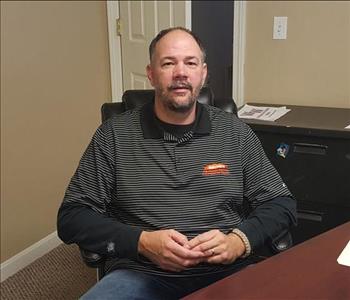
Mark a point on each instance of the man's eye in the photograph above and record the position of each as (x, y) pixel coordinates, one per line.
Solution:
(166, 64)
(192, 63)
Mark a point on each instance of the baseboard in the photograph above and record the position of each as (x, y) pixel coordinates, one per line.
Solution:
(28, 255)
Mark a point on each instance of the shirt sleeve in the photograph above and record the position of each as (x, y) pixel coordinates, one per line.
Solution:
(83, 216)
(272, 206)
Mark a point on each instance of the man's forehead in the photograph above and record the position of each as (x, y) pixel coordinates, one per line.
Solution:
(177, 33)
(178, 40)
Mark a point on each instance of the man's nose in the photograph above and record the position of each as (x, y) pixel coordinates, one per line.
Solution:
(180, 70)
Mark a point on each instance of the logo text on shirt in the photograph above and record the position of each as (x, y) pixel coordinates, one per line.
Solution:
(215, 169)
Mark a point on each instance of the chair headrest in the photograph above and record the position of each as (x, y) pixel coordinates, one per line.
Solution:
(111, 109)
(134, 98)
(226, 104)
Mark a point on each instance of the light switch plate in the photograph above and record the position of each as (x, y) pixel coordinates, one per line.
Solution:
(280, 28)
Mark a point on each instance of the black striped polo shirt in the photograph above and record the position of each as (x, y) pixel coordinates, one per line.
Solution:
(134, 176)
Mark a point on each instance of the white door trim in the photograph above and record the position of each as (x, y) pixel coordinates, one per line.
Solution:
(188, 14)
(239, 38)
(115, 57)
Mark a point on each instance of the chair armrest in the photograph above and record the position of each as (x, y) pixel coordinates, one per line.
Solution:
(282, 243)
(91, 259)
(279, 244)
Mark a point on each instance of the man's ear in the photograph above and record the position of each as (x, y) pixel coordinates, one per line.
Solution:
(150, 74)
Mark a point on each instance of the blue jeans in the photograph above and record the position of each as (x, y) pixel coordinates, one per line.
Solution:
(129, 285)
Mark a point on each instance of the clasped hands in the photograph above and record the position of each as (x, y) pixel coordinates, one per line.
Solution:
(172, 251)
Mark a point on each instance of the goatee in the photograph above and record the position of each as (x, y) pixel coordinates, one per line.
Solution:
(179, 106)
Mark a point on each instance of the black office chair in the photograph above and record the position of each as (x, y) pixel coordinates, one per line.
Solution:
(134, 98)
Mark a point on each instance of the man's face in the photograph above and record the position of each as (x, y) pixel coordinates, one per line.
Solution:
(177, 71)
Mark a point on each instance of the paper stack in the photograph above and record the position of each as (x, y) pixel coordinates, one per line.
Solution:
(262, 112)
(344, 257)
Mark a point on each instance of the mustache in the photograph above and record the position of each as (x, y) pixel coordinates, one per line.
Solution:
(180, 85)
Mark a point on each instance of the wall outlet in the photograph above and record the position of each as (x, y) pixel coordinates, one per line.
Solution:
(280, 28)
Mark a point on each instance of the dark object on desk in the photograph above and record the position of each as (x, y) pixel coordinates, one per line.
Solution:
(134, 98)
(311, 150)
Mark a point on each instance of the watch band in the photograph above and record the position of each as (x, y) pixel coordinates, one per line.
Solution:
(245, 241)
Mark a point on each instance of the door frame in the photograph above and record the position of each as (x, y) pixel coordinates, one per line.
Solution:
(115, 53)
(239, 43)
(238, 49)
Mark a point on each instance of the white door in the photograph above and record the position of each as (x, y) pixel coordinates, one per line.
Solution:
(140, 21)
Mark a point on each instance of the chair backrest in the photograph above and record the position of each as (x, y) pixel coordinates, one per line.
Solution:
(134, 98)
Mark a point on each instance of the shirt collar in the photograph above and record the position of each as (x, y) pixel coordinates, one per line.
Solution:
(151, 129)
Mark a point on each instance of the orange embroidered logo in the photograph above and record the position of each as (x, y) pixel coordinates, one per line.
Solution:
(215, 169)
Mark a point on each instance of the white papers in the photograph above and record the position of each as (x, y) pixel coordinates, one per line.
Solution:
(344, 257)
(347, 127)
(262, 112)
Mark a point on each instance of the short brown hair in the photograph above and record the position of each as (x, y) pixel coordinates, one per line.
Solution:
(164, 32)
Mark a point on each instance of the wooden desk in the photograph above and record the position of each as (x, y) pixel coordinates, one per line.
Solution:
(306, 271)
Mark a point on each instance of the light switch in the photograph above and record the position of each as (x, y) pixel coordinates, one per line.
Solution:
(280, 28)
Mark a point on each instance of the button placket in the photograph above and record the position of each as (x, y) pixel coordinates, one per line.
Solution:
(178, 145)
(179, 162)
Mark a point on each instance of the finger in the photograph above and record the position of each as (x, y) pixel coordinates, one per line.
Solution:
(168, 262)
(206, 247)
(178, 237)
(215, 241)
(217, 256)
(221, 255)
(217, 259)
(201, 238)
(183, 252)
(179, 263)
(220, 259)
(192, 262)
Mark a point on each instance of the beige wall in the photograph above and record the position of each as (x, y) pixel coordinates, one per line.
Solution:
(311, 67)
(54, 78)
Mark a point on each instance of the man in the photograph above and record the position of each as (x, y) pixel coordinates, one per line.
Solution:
(176, 193)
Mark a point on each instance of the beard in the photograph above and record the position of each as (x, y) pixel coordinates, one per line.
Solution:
(177, 105)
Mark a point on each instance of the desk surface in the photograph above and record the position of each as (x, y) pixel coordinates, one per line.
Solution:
(311, 117)
(306, 271)
(312, 120)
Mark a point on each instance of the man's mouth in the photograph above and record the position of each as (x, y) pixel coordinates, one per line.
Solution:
(179, 90)
(180, 87)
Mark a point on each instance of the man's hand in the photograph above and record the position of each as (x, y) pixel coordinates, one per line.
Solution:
(221, 248)
(168, 249)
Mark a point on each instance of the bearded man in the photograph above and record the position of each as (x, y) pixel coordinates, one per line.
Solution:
(176, 193)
